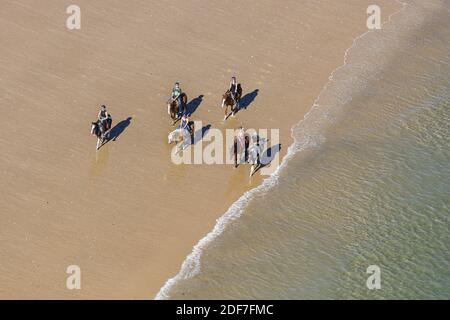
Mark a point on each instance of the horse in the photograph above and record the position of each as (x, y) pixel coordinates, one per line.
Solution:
(101, 131)
(173, 109)
(181, 135)
(240, 145)
(228, 101)
(255, 151)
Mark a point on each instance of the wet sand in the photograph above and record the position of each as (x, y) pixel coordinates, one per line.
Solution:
(126, 214)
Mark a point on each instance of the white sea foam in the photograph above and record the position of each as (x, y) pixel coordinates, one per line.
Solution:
(304, 138)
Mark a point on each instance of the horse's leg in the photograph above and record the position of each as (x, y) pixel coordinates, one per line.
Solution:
(252, 170)
(247, 145)
(184, 101)
(185, 144)
(226, 113)
(192, 131)
(107, 131)
(233, 109)
(235, 153)
(178, 149)
(174, 112)
(168, 110)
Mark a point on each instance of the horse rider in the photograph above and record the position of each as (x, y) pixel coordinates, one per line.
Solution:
(176, 96)
(184, 124)
(233, 90)
(104, 118)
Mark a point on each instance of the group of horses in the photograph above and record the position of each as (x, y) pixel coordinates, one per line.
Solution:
(248, 149)
(174, 109)
(245, 149)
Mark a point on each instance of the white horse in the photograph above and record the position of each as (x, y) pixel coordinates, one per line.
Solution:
(254, 153)
(180, 136)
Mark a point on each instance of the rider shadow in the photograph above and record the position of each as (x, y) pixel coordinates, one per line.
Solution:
(200, 133)
(268, 156)
(117, 130)
(247, 100)
(192, 106)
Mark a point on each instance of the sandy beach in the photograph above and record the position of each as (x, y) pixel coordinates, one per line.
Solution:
(126, 214)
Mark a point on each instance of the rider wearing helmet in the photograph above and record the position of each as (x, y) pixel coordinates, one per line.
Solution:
(184, 124)
(104, 117)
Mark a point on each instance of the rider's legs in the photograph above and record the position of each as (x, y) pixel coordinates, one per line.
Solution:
(103, 126)
(180, 106)
(236, 102)
(235, 98)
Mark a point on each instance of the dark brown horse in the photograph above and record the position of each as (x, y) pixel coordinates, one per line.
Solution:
(101, 130)
(228, 101)
(173, 109)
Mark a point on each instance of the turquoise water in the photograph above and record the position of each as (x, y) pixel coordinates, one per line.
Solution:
(366, 183)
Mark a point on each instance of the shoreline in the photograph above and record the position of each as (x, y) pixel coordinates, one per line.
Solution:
(192, 264)
(131, 249)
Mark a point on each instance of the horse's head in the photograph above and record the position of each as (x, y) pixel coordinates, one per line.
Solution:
(94, 127)
(226, 95)
(173, 136)
(177, 135)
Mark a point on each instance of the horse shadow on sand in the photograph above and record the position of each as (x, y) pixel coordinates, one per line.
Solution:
(267, 157)
(117, 130)
(247, 100)
(200, 133)
(192, 105)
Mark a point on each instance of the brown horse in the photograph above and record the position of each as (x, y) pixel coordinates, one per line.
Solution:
(228, 101)
(173, 109)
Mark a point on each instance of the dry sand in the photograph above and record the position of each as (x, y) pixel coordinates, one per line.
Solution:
(126, 215)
